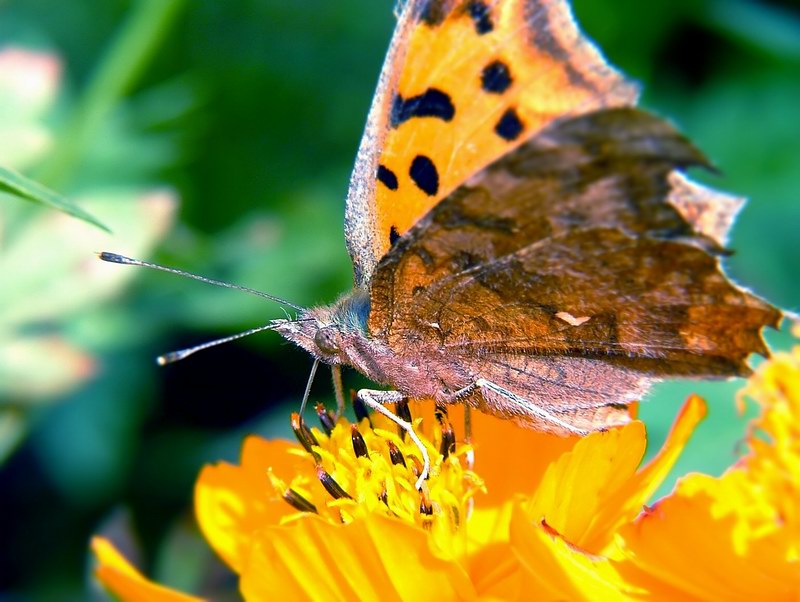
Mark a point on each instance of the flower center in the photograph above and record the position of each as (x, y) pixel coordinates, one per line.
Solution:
(369, 467)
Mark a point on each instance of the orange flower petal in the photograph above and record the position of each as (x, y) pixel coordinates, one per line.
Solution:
(649, 479)
(125, 582)
(496, 572)
(576, 485)
(589, 492)
(555, 570)
(372, 558)
(492, 565)
(697, 541)
(623, 505)
(233, 501)
(510, 459)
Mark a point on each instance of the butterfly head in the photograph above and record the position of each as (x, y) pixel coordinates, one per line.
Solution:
(330, 332)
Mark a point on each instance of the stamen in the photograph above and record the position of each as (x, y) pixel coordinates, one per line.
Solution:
(371, 478)
(359, 445)
(417, 465)
(291, 496)
(403, 412)
(425, 505)
(298, 502)
(395, 455)
(448, 443)
(326, 419)
(426, 511)
(359, 408)
(470, 457)
(304, 435)
(331, 486)
(456, 516)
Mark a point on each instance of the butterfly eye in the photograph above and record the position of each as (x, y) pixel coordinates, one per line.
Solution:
(327, 341)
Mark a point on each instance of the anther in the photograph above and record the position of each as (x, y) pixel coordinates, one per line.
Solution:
(359, 408)
(417, 465)
(425, 510)
(395, 455)
(404, 413)
(448, 443)
(298, 502)
(304, 435)
(359, 445)
(425, 505)
(325, 419)
(331, 486)
(456, 515)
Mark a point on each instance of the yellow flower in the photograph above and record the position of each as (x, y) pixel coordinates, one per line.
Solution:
(548, 518)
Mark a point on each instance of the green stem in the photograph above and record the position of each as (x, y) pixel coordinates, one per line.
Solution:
(123, 62)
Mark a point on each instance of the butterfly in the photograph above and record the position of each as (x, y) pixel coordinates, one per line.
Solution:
(523, 239)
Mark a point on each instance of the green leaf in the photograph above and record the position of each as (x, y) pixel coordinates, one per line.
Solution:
(18, 185)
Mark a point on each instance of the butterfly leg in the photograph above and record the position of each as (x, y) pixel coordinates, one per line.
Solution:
(338, 389)
(375, 400)
(529, 407)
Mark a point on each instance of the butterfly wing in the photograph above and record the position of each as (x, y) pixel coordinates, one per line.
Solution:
(575, 270)
(464, 82)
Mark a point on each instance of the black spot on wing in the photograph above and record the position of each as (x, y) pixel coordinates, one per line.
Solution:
(387, 177)
(496, 77)
(481, 17)
(394, 236)
(424, 174)
(433, 12)
(431, 103)
(509, 127)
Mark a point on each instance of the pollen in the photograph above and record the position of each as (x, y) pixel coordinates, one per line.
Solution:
(369, 466)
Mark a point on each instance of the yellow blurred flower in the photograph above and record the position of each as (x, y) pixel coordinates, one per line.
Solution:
(736, 537)
(123, 580)
(548, 518)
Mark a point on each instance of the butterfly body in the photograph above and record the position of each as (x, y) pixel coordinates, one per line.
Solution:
(423, 368)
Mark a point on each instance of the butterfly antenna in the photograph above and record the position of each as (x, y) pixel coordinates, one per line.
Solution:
(176, 356)
(114, 258)
(308, 386)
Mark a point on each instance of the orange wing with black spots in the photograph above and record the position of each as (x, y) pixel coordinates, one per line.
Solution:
(464, 83)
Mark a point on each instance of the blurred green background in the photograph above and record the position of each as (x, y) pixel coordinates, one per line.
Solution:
(219, 137)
